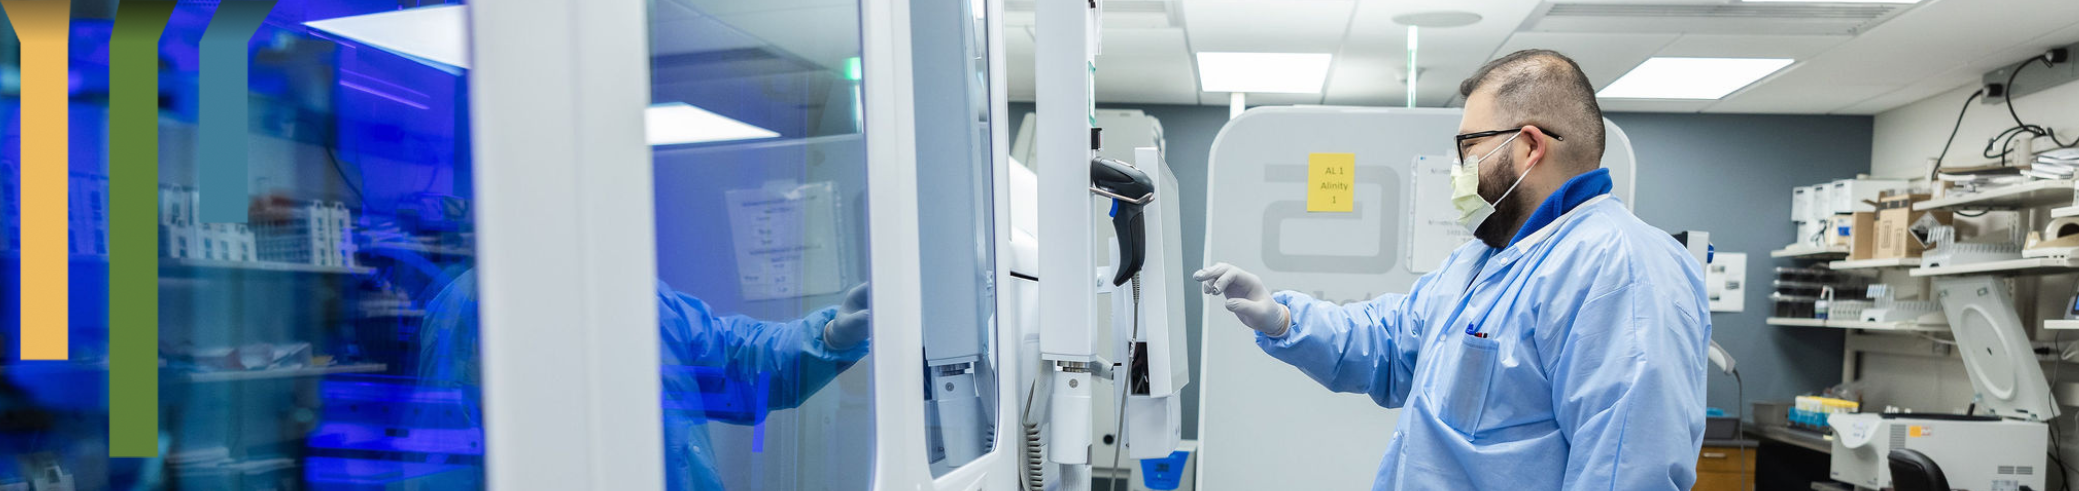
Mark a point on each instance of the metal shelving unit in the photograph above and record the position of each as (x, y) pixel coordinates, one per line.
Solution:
(2037, 193)
(165, 263)
(2011, 267)
(1808, 252)
(275, 373)
(1796, 322)
(1896, 262)
(1848, 324)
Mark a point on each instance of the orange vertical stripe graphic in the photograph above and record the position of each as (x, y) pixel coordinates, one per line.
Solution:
(43, 26)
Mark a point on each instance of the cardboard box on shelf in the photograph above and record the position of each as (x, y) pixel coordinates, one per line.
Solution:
(1838, 230)
(1862, 235)
(1895, 215)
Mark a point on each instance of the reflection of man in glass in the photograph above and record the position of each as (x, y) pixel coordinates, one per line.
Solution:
(732, 369)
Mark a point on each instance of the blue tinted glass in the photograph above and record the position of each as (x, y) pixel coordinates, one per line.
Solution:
(762, 264)
(328, 343)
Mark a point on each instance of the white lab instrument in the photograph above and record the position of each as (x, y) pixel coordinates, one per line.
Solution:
(1800, 204)
(1258, 168)
(1056, 406)
(1973, 453)
(1822, 203)
(958, 429)
(2059, 238)
(1923, 312)
(1996, 350)
(1065, 54)
(2004, 450)
(1944, 248)
(1144, 283)
(1859, 195)
(1171, 473)
(1125, 131)
(1148, 321)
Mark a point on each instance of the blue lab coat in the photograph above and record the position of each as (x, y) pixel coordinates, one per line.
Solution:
(1576, 361)
(787, 359)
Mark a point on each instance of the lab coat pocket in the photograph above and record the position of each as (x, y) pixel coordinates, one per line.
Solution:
(1466, 398)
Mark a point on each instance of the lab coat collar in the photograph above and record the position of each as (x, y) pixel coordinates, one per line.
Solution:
(1499, 260)
(1571, 195)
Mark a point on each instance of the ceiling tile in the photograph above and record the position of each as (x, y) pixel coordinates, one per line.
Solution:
(1603, 57)
(1446, 56)
(1267, 27)
(1746, 46)
(1653, 106)
(1928, 87)
(695, 34)
(1143, 42)
(1150, 66)
(834, 38)
(1367, 80)
(1926, 51)
(1777, 101)
(1933, 38)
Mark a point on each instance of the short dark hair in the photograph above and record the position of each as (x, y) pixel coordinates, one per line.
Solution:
(1544, 88)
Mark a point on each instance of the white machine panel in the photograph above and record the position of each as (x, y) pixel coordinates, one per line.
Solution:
(1995, 347)
(1262, 424)
(1973, 454)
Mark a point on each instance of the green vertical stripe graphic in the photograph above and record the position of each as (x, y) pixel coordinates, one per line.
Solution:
(221, 162)
(133, 249)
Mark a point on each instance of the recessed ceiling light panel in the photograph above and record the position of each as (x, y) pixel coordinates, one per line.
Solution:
(1286, 73)
(434, 34)
(1690, 78)
(678, 123)
(1437, 19)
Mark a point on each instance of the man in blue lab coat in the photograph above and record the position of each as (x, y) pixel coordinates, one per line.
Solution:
(1563, 350)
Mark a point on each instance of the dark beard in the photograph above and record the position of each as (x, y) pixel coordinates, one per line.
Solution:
(1501, 226)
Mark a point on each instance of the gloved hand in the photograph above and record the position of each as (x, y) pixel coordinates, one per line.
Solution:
(851, 325)
(1246, 298)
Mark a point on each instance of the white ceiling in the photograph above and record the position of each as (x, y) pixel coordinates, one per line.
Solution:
(1923, 50)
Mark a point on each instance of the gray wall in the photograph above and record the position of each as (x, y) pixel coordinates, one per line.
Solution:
(1731, 175)
(1727, 174)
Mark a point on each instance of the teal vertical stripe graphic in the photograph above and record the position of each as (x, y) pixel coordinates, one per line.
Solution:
(133, 228)
(222, 114)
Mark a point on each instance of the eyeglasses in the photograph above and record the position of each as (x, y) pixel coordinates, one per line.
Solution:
(1463, 141)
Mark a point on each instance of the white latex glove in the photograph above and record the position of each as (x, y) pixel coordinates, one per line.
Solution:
(851, 324)
(1246, 298)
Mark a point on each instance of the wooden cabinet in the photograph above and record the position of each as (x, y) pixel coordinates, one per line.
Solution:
(1725, 469)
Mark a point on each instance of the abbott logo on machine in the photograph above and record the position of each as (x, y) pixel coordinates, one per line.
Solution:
(1360, 241)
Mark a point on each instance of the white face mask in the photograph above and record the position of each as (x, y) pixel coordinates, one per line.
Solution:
(1465, 189)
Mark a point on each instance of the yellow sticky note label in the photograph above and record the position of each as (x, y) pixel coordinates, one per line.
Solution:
(1331, 181)
(1915, 431)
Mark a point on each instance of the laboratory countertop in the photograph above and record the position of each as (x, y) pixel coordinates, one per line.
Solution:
(1731, 442)
(1806, 439)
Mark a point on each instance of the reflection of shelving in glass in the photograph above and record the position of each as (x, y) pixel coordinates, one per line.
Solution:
(350, 146)
(279, 373)
(266, 266)
(437, 250)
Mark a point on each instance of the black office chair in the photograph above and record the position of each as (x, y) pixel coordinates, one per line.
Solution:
(1913, 471)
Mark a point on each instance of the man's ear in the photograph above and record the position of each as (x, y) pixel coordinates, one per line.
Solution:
(1537, 145)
